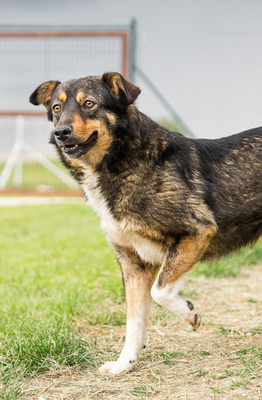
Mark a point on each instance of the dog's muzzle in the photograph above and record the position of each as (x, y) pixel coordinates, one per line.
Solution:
(71, 146)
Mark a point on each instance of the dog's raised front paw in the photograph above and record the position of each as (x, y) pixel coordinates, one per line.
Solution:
(193, 317)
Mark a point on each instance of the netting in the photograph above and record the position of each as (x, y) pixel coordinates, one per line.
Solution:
(28, 59)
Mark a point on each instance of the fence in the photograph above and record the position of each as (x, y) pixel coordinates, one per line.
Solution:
(28, 58)
(31, 56)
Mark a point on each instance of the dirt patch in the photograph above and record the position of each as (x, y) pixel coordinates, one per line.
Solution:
(222, 360)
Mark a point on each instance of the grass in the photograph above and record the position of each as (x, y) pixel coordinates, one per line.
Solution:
(36, 349)
(59, 278)
(169, 124)
(142, 391)
(250, 359)
(35, 176)
(231, 265)
(56, 267)
(169, 356)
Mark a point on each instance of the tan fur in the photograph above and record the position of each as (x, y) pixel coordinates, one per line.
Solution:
(45, 93)
(119, 86)
(180, 258)
(80, 129)
(131, 110)
(135, 275)
(62, 97)
(83, 130)
(73, 162)
(135, 299)
(80, 97)
(111, 118)
(96, 154)
(116, 84)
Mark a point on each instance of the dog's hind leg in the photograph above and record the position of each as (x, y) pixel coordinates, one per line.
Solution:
(180, 258)
(138, 279)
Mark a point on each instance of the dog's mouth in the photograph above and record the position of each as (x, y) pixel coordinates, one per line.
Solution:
(76, 150)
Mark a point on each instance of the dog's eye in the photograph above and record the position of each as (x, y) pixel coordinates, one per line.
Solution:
(89, 103)
(56, 108)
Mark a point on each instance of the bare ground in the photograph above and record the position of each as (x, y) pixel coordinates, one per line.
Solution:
(220, 361)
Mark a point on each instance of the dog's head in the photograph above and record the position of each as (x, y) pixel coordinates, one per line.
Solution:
(84, 111)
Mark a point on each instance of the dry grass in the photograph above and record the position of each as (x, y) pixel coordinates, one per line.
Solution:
(220, 361)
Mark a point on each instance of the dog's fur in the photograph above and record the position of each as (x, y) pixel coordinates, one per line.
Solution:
(165, 201)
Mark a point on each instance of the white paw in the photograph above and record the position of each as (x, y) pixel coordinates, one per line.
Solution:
(114, 367)
(105, 368)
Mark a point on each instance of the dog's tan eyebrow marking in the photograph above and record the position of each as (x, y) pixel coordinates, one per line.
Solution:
(62, 97)
(80, 97)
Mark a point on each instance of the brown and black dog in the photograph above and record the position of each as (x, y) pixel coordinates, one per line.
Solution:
(165, 201)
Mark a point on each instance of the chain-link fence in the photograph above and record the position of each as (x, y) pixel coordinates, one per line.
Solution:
(28, 58)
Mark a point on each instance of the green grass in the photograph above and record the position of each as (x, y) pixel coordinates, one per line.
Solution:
(55, 263)
(58, 276)
(170, 356)
(231, 265)
(143, 391)
(169, 124)
(251, 367)
(35, 176)
(55, 268)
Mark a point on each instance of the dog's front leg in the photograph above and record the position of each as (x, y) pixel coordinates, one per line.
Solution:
(138, 279)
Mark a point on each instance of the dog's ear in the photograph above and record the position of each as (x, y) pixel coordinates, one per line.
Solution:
(125, 91)
(43, 94)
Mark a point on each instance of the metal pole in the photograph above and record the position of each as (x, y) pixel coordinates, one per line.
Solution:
(18, 170)
(132, 51)
(184, 129)
(51, 167)
(10, 163)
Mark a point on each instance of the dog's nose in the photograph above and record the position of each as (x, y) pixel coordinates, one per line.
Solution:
(63, 132)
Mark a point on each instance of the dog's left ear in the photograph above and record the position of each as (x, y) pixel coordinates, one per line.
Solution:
(125, 91)
(43, 94)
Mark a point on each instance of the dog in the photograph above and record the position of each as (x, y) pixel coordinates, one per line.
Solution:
(165, 201)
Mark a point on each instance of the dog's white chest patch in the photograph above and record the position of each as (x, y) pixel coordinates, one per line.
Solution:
(121, 232)
(94, 196)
